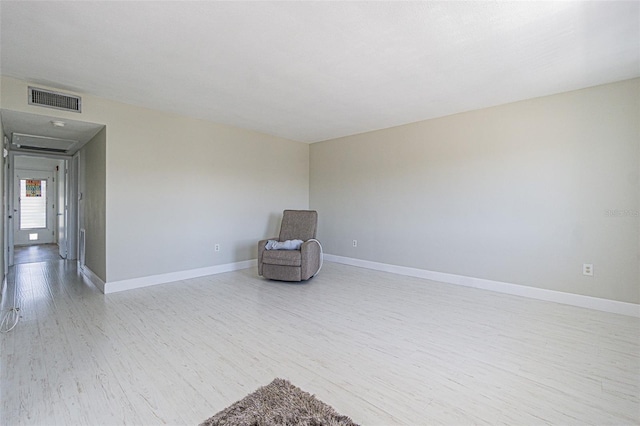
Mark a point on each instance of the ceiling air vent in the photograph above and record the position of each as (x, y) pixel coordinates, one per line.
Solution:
(49, 99)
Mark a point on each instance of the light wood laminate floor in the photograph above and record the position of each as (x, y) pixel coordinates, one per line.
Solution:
(381, 348)
(36, 253)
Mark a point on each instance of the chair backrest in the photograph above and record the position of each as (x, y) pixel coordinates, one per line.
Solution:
(298, 225)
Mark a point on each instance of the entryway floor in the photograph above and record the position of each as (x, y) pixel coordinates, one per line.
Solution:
(36, 253)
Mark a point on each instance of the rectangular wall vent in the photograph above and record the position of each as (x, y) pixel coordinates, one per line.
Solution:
(42, 143)
(39, 148)
(49, 99)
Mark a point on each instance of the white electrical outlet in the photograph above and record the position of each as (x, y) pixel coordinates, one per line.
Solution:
(355, 243)
(216, 247)
(587, 269)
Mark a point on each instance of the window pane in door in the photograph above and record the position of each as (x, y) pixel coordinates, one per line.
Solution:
(33, 204)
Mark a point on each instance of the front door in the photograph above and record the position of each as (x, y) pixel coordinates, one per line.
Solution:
(34, 208)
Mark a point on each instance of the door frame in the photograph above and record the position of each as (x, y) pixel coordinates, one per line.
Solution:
(62, 196)
(71, 201)
(73, 222)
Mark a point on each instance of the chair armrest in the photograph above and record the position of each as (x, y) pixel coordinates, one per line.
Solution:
(310, 259)
(261, 250)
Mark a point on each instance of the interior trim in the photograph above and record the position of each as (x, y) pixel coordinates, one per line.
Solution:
(95, 280)
(599, 304)
(130, 284)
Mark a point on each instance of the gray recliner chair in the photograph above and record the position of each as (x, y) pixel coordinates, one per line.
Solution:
(292, 265)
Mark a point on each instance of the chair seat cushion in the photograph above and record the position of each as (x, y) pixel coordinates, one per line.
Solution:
(282, 257)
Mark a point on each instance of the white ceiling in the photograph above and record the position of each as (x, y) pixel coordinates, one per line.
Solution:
(311, 71)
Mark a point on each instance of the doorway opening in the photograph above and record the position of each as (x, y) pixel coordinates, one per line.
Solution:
(34, 236)
(40, 188)
(43, 167)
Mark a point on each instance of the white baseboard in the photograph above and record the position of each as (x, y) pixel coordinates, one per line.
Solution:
(606, 305)
(96, 280)
(115, 286)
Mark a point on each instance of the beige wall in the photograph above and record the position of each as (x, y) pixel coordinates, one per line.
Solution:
(175, 186)
(92, 205)
(518, 193)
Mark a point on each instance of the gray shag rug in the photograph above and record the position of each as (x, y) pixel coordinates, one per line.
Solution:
(279, 403)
